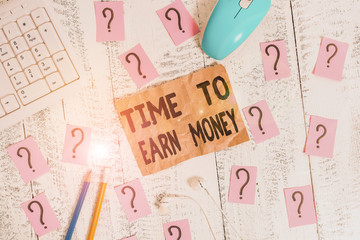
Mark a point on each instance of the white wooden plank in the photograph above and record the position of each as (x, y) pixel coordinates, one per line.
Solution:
(170, 62)
(94, 108)
(63, 185)
(335, 180)
(279, 160)
(13, 190)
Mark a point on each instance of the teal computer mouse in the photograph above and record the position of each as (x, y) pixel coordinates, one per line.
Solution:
(230, 24)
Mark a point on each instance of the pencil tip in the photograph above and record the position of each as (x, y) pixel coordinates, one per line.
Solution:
(88, 177)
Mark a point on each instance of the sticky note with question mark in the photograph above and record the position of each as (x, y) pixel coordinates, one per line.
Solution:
(242, 184)
(300, 206)
(40, 215)
(77, 142)
(178, 22)
(275, 60)
(321, 137)
(130, 238)
(177, 230)
(261, 121)
(109, 21)
(331, 59)
(133, 200)
(139, 66)
(28, 159)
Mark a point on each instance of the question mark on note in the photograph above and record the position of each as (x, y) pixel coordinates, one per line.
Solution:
(322, 135)
(133, 196)
(277, 55)
(178, 229)
(111, 17)
(41, 211)
(178, 17)
(138, 61)
(333, 55)
(260, 117)
(301, 201)
(81, 140)
(247, 179)
(28, 155)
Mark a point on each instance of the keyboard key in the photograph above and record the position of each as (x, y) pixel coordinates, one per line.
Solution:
(6, 52)
(25, 23)
(12, 66)
(18, 45)
(19, 80)
(33, 91)
(33, 38)
(39, 16)
(2, 111)
(33, 73)
(16, 9)
(55, 81)
(26, 59)
(12, 30)
(4, 15)
(40, 52)
(10, 103)
(5, 84)
(47, 66)
(65, 66)
(3, 39)
(50, 37)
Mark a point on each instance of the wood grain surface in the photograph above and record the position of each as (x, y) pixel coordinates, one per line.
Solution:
(280, 161)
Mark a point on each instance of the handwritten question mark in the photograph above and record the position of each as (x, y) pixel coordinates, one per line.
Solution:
(247, 179)
(324, 133)
(41, 211)
(28, 154)
(333, 55)
(111, 17)
(133, 196)
(301, 201)
(179, 230)
(259, 121)
(277, 55)
(138, 60)
(178, 16)
(81, 140)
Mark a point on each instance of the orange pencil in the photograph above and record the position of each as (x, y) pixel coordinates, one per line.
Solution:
(97, 208)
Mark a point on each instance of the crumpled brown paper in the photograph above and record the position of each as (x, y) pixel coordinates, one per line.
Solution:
(188, 124)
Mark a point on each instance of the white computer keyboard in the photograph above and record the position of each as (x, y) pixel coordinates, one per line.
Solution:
(37, 65)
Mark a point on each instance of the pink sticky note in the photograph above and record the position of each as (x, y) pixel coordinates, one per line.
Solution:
(177, 230)
(178, 22)
(40, 214)
(275, 60)
(321, 137)
(109, 21)
(242, 184)
(130, 238)
(261, 122)
(28, 159)
(77, 142)
(139, 66)
(300, 206)
(331, 59)
(133, 200)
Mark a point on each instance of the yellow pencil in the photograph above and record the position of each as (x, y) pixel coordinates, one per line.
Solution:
(97, 208)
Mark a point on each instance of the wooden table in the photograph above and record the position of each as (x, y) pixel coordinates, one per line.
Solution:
(280, 161)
